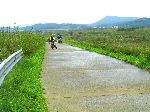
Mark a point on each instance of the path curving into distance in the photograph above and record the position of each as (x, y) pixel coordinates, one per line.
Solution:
(75, 80)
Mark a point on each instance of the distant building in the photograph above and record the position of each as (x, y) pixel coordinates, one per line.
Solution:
(115, 26)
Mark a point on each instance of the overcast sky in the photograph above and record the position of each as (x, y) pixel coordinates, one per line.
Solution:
(68, 11)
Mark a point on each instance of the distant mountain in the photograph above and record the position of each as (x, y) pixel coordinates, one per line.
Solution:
(142, 22)
(109, 20)
(45, 26)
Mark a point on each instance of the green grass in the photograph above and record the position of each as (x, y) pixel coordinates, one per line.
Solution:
(130, 46)
(21, 90)
(13, 41)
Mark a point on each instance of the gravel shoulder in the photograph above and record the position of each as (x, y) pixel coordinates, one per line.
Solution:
(75, 80)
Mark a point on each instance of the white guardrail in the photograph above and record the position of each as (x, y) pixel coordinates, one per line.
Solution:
(7, 65)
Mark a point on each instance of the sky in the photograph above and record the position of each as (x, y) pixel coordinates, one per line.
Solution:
(27, 12)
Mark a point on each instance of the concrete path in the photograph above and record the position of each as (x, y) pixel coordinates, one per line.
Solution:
(75, 80)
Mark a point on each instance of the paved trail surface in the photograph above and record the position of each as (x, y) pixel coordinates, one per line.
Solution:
(75, 80)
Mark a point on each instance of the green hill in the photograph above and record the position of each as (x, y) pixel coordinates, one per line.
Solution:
(142, 22)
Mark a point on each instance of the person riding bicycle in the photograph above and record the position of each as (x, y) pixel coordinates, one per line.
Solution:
(52, 41)
(59, 37)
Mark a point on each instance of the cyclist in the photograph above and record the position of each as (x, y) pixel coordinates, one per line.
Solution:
(52, 41)
(59, 37)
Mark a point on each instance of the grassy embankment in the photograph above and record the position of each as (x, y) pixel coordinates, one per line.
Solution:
(21, 90)
(130, 45)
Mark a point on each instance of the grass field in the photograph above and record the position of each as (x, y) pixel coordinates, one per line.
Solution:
(11, 42)
(21, 90)
(127, 44)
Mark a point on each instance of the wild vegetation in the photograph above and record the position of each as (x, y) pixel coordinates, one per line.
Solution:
(12, 41)
(128, 44)
(21, 90)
